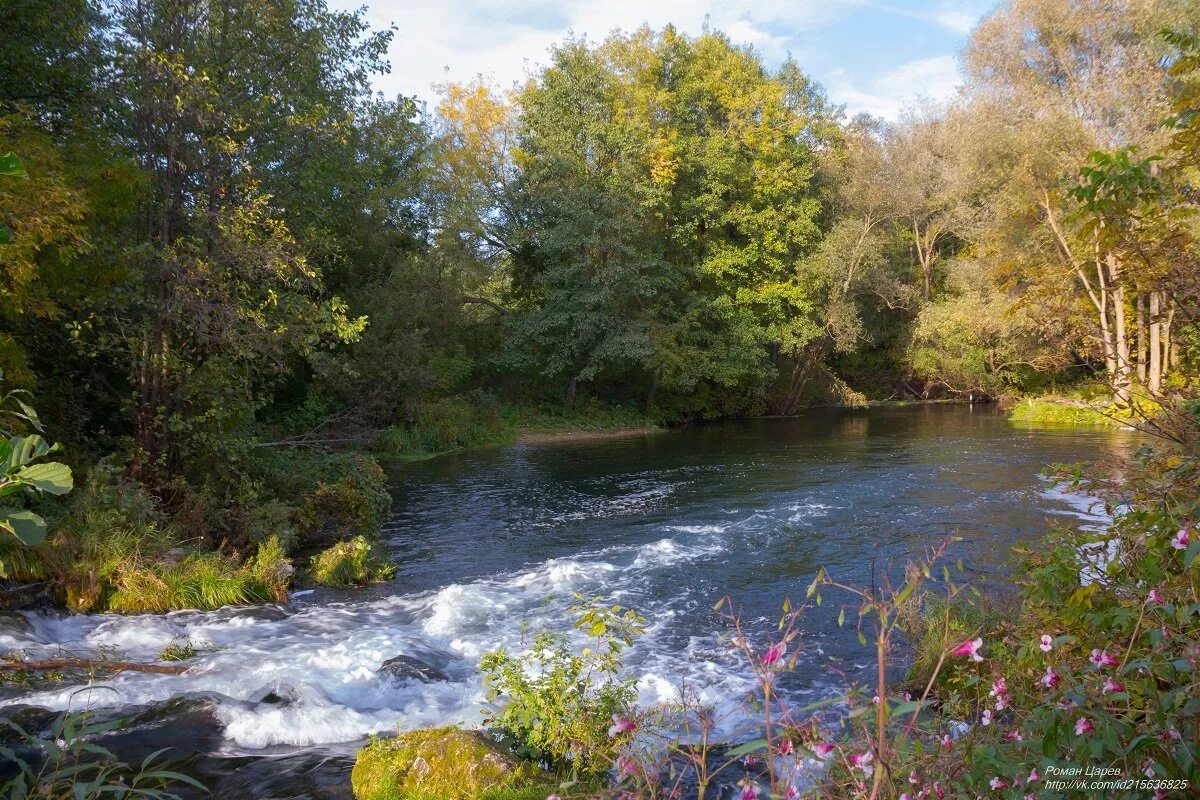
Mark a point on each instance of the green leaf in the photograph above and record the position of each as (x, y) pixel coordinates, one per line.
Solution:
(11, 166)
(753, 746)
(27, 526)
(52, 478)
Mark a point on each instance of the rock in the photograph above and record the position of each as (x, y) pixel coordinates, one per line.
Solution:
(404, 668)
(447, 763)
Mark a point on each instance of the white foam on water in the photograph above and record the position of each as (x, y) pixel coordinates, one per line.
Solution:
(324, 660)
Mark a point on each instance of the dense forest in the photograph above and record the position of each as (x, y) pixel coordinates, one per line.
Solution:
(218, 251)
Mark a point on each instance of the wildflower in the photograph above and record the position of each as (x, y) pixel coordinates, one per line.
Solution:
(1047, 643)
(749, 792)
(1101, 658)
(1014, 736)
(913, 779)
(1181, 540)
(1084, 725)
(937, 791)
(947, 742)
(792, 793)
(786, 748)
(553, 797)
(1000, 692)
(861, 761)
(905, 796)
(998, 783)
(969, 648)
(626, 766)
(1051, 678)
(1155, 597)
(621, 725)
(774, 654)
(1034, 776)
(751, 761)
(1148, 768)
(1111, 686)
(823, 749)
(987, 717)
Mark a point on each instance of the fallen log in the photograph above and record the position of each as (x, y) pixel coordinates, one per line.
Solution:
(98, 664)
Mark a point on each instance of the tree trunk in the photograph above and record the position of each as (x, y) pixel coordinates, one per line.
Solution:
(1141, 339)
(1170, 344)
(1154, 382)
(1124, 377)
(572, 387)
(1110, 353)
(651, 392)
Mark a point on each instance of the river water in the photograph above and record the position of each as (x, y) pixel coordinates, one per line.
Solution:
(493, 544)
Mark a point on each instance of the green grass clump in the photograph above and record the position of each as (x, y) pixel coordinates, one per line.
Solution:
(441, 426)
(355, 562)
(587, 416)
(1047, 411)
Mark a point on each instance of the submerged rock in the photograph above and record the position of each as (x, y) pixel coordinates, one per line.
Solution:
(447, 763)
(405, 667)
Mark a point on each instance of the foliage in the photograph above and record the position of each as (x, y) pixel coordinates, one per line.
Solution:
(68, 764)
(448, 424)
(350, 498)
(1050, 410)
(25, 474)
(567, 709)
(354, 562)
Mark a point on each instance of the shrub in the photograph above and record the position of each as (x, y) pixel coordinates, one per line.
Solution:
(451, 423)
(355, 562)
(563, 708)
(349, 499)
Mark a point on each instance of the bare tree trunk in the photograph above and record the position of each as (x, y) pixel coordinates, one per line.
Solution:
(1141, 339)
(1170, 344)
(1154, 384)
(1110, 353)
(1124, 377)
(572, 388)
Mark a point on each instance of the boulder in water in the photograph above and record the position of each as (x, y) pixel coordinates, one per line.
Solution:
(410, 668)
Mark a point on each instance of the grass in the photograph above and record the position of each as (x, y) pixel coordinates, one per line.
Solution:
(1056, 412)
(354, 562)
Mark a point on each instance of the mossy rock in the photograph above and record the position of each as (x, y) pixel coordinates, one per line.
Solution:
(442, 763)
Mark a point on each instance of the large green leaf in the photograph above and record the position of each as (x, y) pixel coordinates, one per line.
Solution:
(12, 167)
(25, 450)
(52, 477)
(25, 525)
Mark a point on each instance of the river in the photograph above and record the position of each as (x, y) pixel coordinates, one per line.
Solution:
(493, 544)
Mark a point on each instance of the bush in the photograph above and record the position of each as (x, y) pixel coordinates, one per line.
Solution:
(563, 708)
(441, 426)
(350, 498)
(356, 562)
(1047, 411)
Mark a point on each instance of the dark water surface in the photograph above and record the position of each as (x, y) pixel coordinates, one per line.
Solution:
(495, 542)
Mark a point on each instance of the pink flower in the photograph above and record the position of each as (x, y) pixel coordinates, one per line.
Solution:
(1155, 597)
(1047, 643)
(947, 742)
(773, 655)
(913, 779)
(937, 790)
(1034, 776)
(1014, 736)
(621, 725)
(626, 766)
(997, 783)
(792, 793)
(1181, 540)
(987, 717)
(749, 792)
(1111, 686)
(1101, 658)
(1000, 692)
(1051, 678)
(822, 749)
(905, 796)
(969, 648)
(1148, 768)
(1084, 725)
(786, 748)
(861, 761)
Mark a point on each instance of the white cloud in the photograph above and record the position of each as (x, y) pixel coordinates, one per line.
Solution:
(505, 40)
(887, 95)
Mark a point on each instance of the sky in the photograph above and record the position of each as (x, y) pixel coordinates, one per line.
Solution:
(876, 56)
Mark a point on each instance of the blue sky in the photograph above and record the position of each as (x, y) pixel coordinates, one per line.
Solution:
(870, 55)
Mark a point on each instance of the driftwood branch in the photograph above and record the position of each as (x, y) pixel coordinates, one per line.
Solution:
(99, 664)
